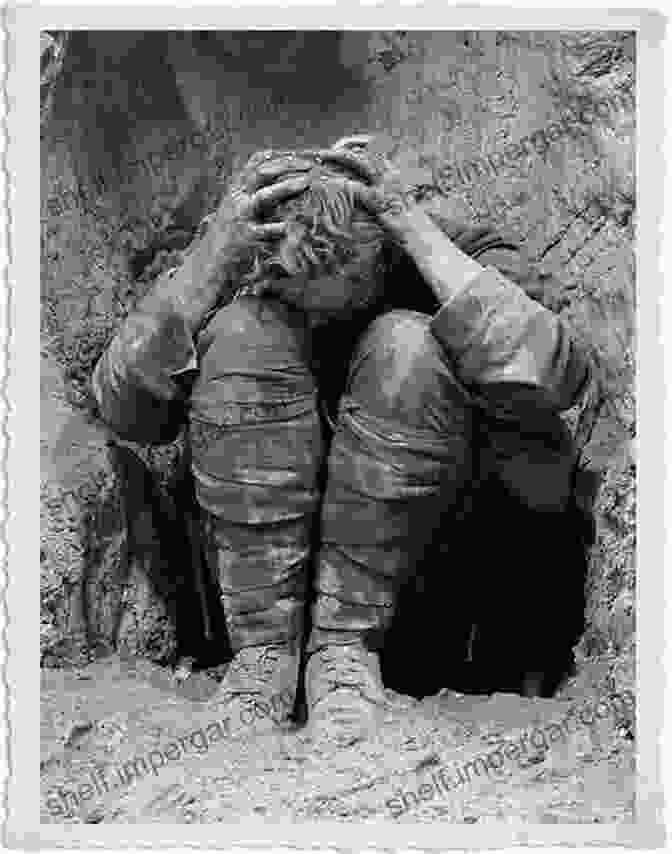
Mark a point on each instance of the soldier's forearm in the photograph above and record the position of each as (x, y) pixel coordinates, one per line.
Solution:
(446, 269)
(194, 288)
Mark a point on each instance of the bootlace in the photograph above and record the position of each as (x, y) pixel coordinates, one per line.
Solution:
(346, 667)
(256, 663)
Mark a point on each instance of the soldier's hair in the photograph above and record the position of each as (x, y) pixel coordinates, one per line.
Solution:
(327, 236)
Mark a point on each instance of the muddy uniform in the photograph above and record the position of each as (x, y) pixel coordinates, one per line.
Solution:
(285, 504)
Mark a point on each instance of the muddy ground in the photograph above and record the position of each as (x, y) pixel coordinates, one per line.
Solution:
(105, 725)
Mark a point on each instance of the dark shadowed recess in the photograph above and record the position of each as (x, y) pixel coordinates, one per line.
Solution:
(163, 537)
(497, 604)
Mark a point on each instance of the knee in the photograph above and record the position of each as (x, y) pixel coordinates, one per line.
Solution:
(251, 335)
(399, 370)
(394, 346)
(400, 332)
(238, 319)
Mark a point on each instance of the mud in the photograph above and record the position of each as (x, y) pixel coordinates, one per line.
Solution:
(97, 718)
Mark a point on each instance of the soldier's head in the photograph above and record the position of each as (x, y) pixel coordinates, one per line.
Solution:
(329, 263)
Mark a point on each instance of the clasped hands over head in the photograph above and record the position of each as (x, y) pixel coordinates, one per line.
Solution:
(270, 178)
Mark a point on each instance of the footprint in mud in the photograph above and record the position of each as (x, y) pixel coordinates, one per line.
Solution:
(166, 802)
(173, 801)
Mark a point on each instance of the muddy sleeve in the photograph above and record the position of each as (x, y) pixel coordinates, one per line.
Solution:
(522, 366)
(141, 381)
(503, 343)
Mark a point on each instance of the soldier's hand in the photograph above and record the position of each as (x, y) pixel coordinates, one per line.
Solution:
(267, 180)
(380, 187)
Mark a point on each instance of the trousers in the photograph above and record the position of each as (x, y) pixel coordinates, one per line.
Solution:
(298, 516)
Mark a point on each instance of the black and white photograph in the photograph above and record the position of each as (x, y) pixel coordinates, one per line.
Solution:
(338, 429)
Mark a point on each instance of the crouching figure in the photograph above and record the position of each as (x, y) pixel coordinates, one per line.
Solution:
(328, 344)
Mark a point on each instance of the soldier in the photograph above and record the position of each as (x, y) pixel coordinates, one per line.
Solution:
(320, 249)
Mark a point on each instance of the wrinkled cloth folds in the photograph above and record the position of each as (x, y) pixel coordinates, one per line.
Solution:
(401, 455)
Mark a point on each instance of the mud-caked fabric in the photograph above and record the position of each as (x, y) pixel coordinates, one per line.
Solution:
(398, 467)
(256, 450)
(141, 382)
(522, 367)
(497, 334)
